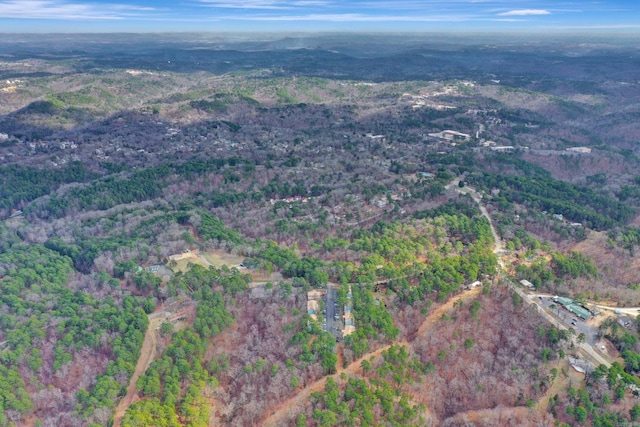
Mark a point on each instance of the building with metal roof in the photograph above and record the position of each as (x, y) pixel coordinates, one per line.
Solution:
(573, 307)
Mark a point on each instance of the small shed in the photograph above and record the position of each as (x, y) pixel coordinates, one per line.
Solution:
(526, 284)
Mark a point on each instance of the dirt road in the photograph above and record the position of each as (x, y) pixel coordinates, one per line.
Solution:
(277, 418)
(300, 399)
(147, 355)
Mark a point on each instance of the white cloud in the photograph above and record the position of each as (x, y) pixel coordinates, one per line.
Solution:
(525, 12)
(51, 9)
(264, 4)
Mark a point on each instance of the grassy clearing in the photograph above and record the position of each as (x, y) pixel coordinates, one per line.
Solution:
(183, 265)
(219, 258)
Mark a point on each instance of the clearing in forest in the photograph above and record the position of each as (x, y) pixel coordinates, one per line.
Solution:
(219, 258)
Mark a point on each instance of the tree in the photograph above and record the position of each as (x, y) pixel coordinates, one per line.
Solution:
(634, 412)
(149, 305)
(166, 328)
(580, 412)
(365, 365)
(188, 238)
(474, 308)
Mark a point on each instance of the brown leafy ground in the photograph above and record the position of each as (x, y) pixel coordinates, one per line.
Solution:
(281, 414)
(487, 384)
(618, 268)
(567, 377)
(500, 416)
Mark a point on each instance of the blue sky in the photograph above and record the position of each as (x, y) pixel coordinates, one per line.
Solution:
(318, 15)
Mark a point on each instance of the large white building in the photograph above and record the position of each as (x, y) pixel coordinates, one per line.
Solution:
(451, 136)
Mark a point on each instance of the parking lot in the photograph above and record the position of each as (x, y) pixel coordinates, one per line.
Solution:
(569, 319)
(332, 322)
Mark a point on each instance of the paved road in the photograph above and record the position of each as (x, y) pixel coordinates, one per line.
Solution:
(567, 318)
(561, 323)
(333, 325)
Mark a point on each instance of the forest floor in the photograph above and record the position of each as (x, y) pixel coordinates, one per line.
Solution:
(567, 377)
(280, 412)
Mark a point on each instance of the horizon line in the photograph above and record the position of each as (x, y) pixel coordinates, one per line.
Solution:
(592, 30)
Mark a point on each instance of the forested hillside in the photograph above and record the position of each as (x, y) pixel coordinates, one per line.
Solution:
(296, 237)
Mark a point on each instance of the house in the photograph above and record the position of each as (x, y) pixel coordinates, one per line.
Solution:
(624, 321)
(581, 366)
(526, 284)
(473, 285)
(312, 309)
(153, 268)
(250, 263)
(313, 306)
(349, 325)
(452, 135)
(184, 255)
(504, 148)
(348, 330)
(581, 150)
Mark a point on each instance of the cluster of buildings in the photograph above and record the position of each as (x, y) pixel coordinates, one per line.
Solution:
(11, 85)
(290, 200)
(349, 326)
(313, 310)
(451, 136)
(573, 307)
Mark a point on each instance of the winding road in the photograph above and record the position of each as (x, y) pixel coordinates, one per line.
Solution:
(587, 348)
(277, 415)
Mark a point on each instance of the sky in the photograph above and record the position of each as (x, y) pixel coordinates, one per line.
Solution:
(27, 16)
